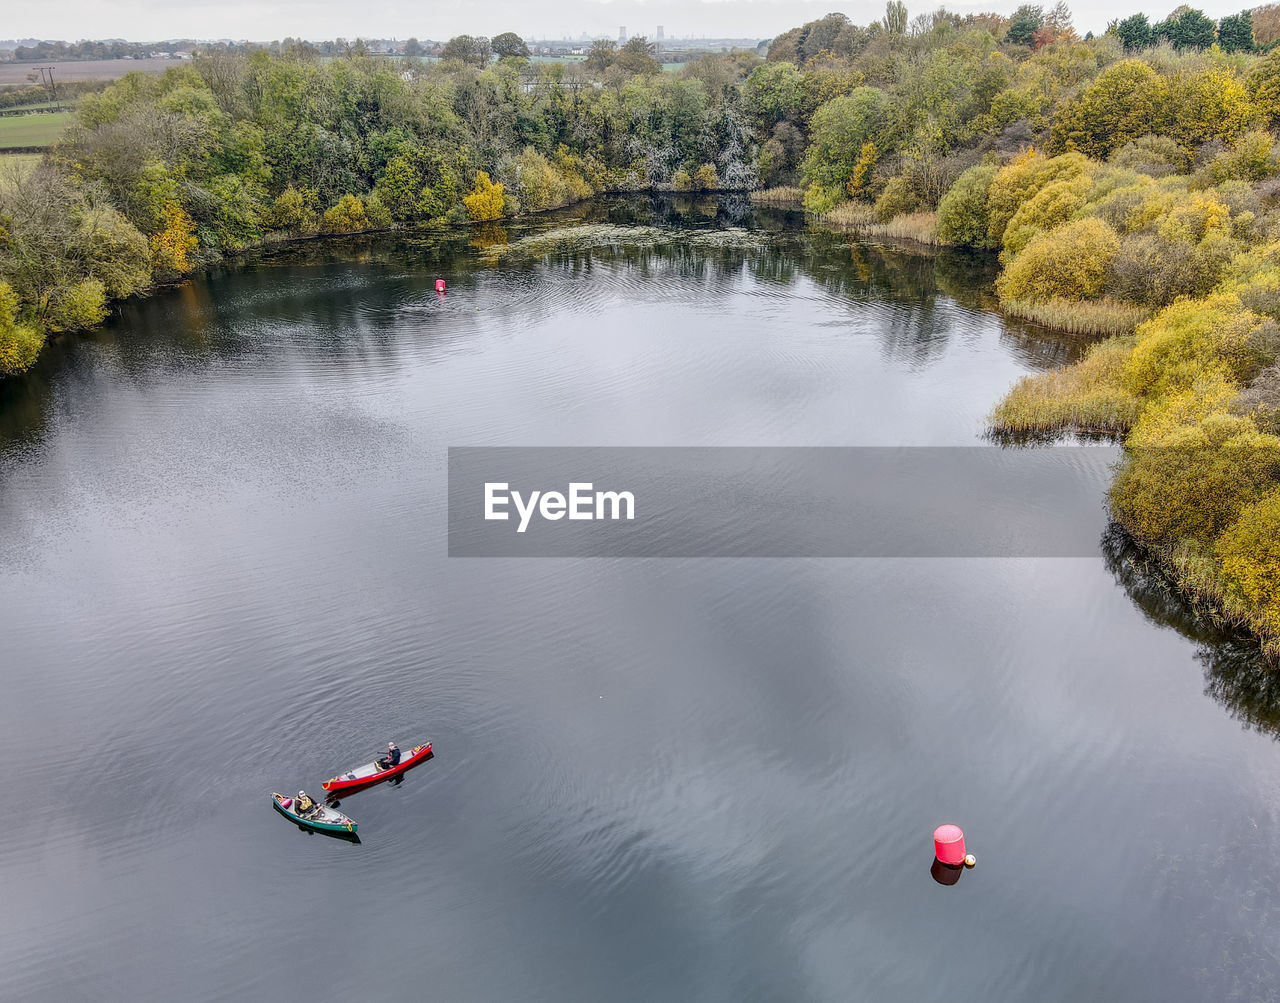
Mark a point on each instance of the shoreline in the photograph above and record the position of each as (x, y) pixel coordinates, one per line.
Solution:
(280, 238)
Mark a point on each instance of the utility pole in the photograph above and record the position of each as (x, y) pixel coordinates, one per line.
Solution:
(48, 81)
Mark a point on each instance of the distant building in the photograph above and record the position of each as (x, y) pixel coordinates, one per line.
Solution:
(659, 33)
(622, 35)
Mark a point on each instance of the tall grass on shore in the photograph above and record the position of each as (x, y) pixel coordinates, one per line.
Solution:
(1095, 317)
(851, 215)
(860, 218)
(1087, 397)
(782, 197)
(922, 227)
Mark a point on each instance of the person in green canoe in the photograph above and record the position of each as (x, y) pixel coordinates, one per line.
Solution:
(392, 758)
(303, 804)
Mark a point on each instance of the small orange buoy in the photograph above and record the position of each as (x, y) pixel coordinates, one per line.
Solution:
(440, 286)
(948, 845)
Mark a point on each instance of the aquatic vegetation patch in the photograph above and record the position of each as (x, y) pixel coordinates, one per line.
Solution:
(1087, 397)
(610, 236)
(1104, 316)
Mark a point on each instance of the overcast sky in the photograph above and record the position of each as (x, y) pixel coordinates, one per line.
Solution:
(265, 20)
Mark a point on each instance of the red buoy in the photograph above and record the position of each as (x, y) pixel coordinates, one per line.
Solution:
(948, 845)
(439, 285)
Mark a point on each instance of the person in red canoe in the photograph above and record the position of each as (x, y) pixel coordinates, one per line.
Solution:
(392, 758)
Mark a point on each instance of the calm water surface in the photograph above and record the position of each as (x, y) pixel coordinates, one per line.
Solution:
(223, 573)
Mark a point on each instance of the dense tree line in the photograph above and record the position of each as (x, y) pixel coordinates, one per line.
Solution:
(162, 173)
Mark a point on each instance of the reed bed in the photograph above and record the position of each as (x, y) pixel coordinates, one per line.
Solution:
(1086, 397)
(783, 197)
(922, 227)
(860, 218)
(1093, 317)
(853, 215)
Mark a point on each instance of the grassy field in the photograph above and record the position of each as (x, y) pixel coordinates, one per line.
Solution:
(32, 130)
(84, 69)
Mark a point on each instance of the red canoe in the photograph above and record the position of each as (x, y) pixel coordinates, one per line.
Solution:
(370, 774)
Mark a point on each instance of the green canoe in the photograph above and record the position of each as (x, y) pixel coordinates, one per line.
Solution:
(321, 818)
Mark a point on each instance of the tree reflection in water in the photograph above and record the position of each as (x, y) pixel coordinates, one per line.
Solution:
(1237, 674)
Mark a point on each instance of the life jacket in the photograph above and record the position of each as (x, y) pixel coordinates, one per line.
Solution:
(304, 803)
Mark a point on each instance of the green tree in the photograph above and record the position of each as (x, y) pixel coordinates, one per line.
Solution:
(347, 216)
(112, 251)
(1211, 104)
(400, 188)
(1136, 33)
(1188, 29)
(705, 178)
(291, 213)
(832, 34)
(1018, 181)
(781, 154)
(19, 343)
(603, 52)
(772, 93)
(1264, 86)
(1235, 32)
(474, 50)
(895, 17)
(637, 56)
(1125, 101)
(962, 213)
(837, 132)
(897, 198)
(77, 306)
(510, 45)
(1250, 554)
(1026, 21)
(1070, 262)
(1195, 483)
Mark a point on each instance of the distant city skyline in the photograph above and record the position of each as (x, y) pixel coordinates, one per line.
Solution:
(264, 20)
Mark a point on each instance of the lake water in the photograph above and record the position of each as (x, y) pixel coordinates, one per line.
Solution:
(223, 573)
